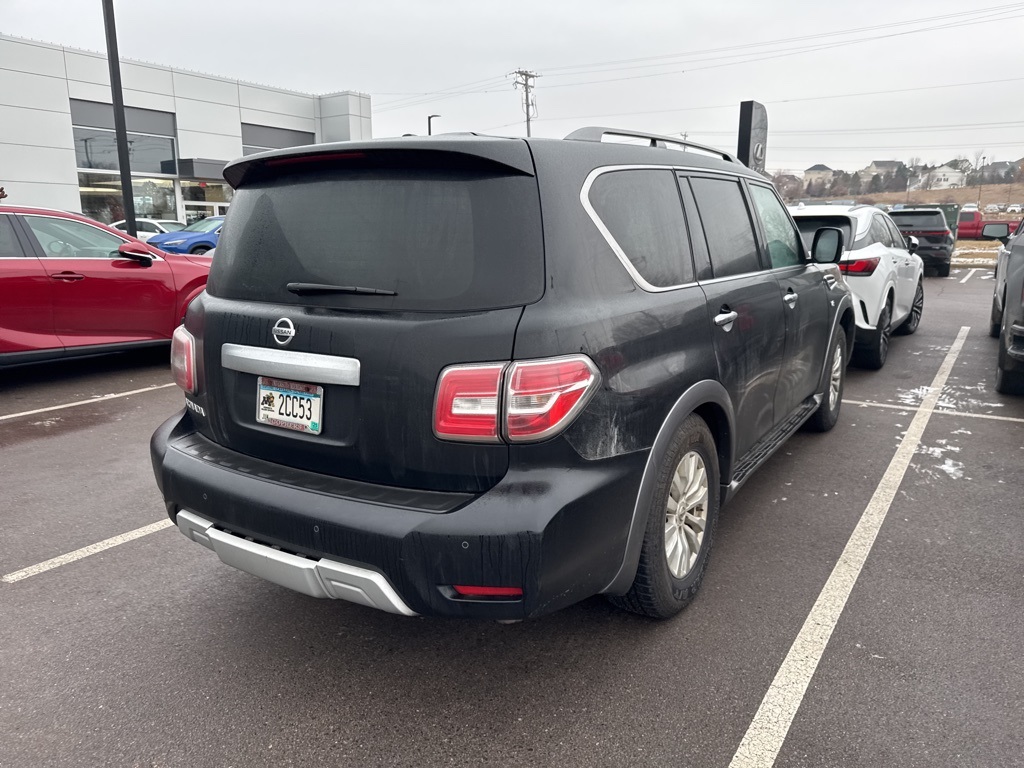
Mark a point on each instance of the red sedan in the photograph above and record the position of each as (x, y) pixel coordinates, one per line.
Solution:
(71, 286)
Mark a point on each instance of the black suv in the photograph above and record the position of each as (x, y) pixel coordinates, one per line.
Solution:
(491, 377)
(935, 238)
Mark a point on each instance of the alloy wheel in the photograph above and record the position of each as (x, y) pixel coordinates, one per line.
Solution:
(686, 514)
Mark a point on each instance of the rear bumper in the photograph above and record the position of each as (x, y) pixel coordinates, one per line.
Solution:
(557, 529)
(935, 254)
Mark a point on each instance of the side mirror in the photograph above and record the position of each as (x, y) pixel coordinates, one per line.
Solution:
(912, 243)
(135, 252)
(996, 231)
(828, 245)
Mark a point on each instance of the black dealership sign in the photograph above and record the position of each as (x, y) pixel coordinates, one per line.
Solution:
(753, 140)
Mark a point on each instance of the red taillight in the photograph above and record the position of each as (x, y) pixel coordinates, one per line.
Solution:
(467, 591)
(860, 266)
(316, 158)
(536, 399)
(466, 406)
(183, 359)
(543, 396)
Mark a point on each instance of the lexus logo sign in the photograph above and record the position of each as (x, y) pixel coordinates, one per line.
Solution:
(283, 331)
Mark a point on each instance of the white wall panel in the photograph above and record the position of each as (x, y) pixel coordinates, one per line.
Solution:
(87, 68)
(89, 91)
(208, 146)
(35, 126)
(140, 77)
(276, 120)
(19, 89)
(45, 165)
(335, 129)
(211, 118)
(205, 89)
(270, 100)
(147, 100)
(63, 197)
(27, 56)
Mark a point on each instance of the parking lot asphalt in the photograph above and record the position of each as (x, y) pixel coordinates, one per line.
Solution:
(153, 653)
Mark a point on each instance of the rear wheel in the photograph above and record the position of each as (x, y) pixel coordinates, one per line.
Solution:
(995, 320)
(916, 310)
(680, 526)
(942, 270)
(832, 400)
(199, 250)
(876, 350)
(1007, 382)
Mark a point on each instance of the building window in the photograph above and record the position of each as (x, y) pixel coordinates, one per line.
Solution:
(96, 149)
(101, 197)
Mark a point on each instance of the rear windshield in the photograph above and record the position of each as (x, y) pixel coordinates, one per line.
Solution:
(919, 219)
(439, 239)
(808, 225)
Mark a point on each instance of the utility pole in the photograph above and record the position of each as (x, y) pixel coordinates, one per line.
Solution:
(524, 79)
(429, 120)
(120, 129)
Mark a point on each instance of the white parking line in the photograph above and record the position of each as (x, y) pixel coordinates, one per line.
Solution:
(767, 732)
(942, 411)
(969, 273)
(78, 554)
(97, 399)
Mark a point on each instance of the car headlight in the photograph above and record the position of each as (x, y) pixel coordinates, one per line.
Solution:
(174, 242)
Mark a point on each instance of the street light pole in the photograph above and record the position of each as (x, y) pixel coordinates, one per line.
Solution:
(120, 128)
(429, 119)
(981, 180)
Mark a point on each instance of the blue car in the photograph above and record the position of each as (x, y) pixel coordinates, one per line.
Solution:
(198, 237)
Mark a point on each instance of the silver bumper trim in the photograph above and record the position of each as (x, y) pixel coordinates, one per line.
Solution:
(317, 578)
(285, 364)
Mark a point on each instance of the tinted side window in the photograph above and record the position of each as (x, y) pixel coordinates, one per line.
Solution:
(643, 213)
(727, 226)
(898, 240)
(69, 239)
(9, 245)
(879, 232)
(784, 247)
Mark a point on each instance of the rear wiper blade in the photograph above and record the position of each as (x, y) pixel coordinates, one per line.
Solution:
(308, 289)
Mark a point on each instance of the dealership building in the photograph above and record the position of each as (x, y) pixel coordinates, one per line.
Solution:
(57, 147)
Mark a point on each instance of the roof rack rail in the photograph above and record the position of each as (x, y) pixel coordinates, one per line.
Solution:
(597, 133)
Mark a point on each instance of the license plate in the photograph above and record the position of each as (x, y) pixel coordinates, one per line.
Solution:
(289, 405)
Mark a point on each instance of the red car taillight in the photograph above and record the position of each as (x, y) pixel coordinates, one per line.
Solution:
(466, 406)
(536, 399)
(542, 397)
(183, 359)
(860, 266)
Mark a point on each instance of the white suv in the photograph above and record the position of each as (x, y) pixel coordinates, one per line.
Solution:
(149, 227)
(883, 272)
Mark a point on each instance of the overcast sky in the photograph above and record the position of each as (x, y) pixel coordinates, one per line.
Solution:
(654, 65)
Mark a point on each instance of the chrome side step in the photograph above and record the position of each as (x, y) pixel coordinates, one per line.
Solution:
(317, 578)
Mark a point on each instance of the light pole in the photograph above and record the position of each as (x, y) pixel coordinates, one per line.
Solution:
(429, 119)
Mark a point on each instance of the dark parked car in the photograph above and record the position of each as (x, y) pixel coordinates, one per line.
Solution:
(491, 377)
(70, 286)
(1009, 326)
(999, 281)
(935, 238)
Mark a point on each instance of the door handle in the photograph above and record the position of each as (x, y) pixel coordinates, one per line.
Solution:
(790, 298)
(68, 277)
(725, 318)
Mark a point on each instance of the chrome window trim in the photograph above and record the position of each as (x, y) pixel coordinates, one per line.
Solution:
(292, 365)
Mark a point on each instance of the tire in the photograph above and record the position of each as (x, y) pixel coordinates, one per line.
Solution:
(199, 250)
(995, 320)
(913, 320)
(660, 590)
(942, 270)
(832, 401)
(1007, 382)
(873, 354)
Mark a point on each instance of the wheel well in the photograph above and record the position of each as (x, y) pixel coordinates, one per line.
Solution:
(718, 423)
(849, 325)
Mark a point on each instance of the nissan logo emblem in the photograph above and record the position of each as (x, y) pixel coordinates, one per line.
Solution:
(283, 331)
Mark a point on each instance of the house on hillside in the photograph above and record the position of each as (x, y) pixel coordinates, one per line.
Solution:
(818, 174)
(996, 172)
(879, 167)
(943, 177)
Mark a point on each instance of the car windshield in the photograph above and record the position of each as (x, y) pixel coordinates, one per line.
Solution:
(203, 225)
(174, 226)
(919, 219)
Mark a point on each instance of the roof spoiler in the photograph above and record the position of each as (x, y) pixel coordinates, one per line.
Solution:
(597, 133)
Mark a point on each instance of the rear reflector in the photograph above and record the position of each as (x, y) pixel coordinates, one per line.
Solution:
(183, 359)
(543, 397)
(860, 266)
(466, 406)
(465, 591)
